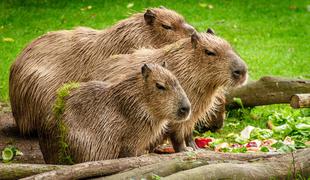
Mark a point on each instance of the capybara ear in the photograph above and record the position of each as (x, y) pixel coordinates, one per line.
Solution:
(162, 7)
(164, 64)
(145, 70)
(194, 40)
(210, 31)
(149, 17)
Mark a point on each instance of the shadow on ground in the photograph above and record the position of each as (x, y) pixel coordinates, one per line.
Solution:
(9, 136)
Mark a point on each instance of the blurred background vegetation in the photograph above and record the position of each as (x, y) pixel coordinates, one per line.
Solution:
(272, 36)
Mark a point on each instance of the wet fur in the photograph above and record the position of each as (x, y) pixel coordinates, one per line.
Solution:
(202, 77)
(113, 122)
(70, 55)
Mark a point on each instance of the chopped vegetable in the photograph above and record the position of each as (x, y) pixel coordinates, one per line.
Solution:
(9, 152)
(203, 142)
(264, 149)
(258, 133)
(245, 133)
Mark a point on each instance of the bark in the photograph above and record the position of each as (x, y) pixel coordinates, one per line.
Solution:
(162, 169)
(300, 101)
(109, 167)
(289, 166)
(268, 90)
(17, 171)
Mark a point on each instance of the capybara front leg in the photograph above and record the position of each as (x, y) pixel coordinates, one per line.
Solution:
(177, 142)
(190, 141)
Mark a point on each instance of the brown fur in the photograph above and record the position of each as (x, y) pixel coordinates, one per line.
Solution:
(69, 55)
(117, 121)
(201, 75)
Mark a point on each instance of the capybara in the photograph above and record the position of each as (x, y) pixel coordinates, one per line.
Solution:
(98, 121)
(68, 55)
(204, 64)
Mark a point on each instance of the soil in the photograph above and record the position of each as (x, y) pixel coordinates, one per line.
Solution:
(9, 135)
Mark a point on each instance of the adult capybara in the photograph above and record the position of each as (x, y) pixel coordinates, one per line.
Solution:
(97, 122)
(204, 65)
(62, 56)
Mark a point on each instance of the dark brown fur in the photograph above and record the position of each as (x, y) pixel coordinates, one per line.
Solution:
(117, 121)
(204, 64)
(69, 55)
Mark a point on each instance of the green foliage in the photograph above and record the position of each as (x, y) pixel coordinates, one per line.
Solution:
(264, 149)
(269, 35)
(261, 134)
(286, 121)
(155, 177)
(58, 109)
(281, 147)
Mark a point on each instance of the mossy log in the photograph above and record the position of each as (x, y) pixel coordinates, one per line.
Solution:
(17, 171)
(268, 90)
(166, 165)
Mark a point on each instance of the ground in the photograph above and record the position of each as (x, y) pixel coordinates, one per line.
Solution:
(9, 135)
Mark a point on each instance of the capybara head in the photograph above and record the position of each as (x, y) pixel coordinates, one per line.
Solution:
(224, 66)
(164, 95)
(167, 24)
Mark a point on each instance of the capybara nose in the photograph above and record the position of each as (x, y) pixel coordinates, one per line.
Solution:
(184, 111)
(239, 73)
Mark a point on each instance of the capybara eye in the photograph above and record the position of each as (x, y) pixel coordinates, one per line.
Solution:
(166, 27)
(209, 53)
(160, 87)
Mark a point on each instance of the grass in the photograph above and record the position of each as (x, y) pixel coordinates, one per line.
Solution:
(271, 36)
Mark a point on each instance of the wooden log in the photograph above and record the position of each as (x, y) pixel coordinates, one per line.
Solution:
(159, 169)
(17, 171)
(267, 90)
(182, 166)
(289, 166)
(300, 101)
(109, 167)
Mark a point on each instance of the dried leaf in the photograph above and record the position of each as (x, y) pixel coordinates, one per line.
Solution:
(203, 5)
(8, 40)
(130, 5)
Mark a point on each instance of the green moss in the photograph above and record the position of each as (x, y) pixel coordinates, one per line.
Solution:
(58, 110)
(63, 92)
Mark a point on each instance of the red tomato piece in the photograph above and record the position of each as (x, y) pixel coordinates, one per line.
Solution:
(251, 144)
(202, 142)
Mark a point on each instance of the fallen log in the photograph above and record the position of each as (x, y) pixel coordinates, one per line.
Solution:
(287, 166)
(300, 101)
(17, 171)
(162, 169)
(110, 167)
(267, 90)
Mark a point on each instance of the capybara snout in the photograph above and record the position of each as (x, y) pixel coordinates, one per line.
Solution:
(238, 71)
(184, 110)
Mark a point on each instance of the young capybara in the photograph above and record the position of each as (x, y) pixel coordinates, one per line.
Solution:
(105, 122)
(204, 65)
(68, 55)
